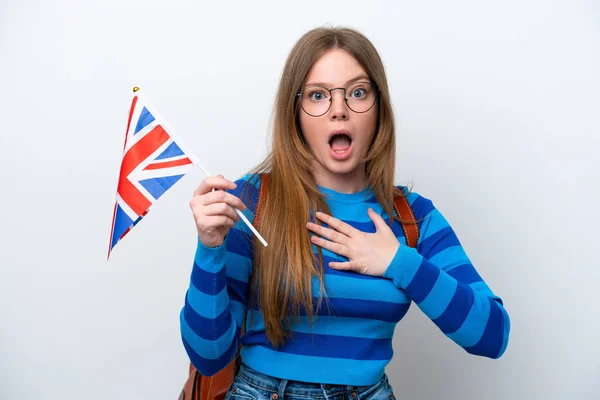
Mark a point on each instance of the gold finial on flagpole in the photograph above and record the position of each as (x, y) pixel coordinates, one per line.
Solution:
(135, 89)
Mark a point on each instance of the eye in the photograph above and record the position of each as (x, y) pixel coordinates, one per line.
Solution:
(317, 95)
(358, 93)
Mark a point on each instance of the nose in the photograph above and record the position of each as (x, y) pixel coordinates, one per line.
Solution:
(339, 108)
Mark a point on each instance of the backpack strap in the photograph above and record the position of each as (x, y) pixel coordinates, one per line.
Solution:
(407, 220)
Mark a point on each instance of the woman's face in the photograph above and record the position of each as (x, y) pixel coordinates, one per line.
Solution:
(340, 138)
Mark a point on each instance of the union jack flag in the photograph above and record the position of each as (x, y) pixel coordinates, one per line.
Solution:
(153, 161)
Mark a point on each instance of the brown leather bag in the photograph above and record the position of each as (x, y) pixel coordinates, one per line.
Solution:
(200, 387)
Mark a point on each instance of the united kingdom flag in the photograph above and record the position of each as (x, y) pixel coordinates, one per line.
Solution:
(153, 161)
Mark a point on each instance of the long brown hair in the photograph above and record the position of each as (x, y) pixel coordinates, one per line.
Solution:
(283, 271)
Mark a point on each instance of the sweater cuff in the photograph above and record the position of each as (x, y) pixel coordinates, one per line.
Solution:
(211, 259)
(404, 266)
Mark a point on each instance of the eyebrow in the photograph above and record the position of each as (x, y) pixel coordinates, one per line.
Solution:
(358, 78)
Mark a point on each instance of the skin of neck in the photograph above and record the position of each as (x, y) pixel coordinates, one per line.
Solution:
(351, 182)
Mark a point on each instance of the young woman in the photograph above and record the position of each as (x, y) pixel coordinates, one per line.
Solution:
(320, 304)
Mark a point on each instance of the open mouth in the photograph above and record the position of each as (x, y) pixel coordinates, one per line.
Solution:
(340, 142)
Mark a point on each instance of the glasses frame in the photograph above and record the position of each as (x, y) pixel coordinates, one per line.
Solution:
(299, 95)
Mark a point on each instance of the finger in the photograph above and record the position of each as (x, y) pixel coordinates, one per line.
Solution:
(336, 224)
(220, 196)
(215, 221)
(342, 266)
(223, 220)
(327, 233)
(221, 209)
(331, 246)
(214, 182)
(379, 222)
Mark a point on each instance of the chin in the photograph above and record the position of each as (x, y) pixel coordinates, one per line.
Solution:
(347, 168)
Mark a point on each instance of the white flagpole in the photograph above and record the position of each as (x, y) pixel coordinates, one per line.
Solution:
(242, 216)
(191, 156)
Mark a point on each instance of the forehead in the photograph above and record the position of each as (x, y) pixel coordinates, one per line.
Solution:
(335, 67)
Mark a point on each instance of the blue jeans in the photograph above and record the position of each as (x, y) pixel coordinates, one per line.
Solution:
(252, 385)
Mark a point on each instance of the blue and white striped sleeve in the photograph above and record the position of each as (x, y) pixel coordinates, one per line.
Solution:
(439, 277)
(216, 300)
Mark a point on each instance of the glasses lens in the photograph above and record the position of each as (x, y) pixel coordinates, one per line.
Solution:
(361, 96)
(315, 100)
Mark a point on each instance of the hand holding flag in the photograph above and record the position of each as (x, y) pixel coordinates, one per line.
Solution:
(213, 210)
(154, 159)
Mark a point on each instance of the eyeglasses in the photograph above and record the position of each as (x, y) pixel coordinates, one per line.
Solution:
(316, 100)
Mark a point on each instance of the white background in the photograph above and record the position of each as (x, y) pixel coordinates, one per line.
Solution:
(498, 112)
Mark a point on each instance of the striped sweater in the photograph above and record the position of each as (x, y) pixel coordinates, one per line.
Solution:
(350, 342)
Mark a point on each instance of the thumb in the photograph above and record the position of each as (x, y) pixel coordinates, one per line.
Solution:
(377, 220)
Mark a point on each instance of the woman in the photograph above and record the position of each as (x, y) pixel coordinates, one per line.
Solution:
(321, 302)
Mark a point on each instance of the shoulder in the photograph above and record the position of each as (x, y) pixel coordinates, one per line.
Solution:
(432, 224)
(248, 188)
(420, 205)
(248, 181)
